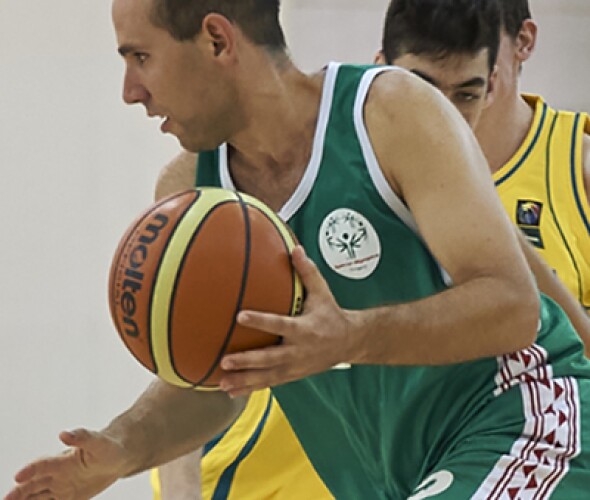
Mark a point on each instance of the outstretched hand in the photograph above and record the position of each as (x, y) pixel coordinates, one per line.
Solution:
(320, 338)
(93, 462)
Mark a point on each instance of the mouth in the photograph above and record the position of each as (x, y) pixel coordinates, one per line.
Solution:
(164, 120)
(164, 126)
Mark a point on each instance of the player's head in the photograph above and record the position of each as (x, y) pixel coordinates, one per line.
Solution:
(453, 44)
(182, 60)
(518, 36)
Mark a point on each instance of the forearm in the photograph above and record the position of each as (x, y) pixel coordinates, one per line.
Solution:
(484, 317)
(551, 286)
(167, 422)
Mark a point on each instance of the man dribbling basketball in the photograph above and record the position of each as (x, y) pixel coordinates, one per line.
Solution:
(456, 387)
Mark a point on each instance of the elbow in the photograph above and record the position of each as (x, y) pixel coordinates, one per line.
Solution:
(524, 310)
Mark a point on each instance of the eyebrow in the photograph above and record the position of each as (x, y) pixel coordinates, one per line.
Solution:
(472, 82)
(125, 49)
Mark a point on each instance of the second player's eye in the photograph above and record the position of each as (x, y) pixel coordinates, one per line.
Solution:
(467, 96)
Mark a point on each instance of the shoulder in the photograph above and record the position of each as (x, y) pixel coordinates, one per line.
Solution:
(177, 175)
(399, 90)
(406, 118)
(403, 105)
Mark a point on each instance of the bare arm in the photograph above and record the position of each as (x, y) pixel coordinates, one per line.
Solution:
(167, 422)
(178, 175)
(434, 164)
(164, 423)
(551, 286)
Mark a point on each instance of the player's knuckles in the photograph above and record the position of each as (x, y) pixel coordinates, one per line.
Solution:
(281, 324)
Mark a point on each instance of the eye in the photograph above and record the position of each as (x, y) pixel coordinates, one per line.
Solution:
(467, 97)
(140, 57)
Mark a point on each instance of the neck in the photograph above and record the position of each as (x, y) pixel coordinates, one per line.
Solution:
(270, 152)
(503, 128)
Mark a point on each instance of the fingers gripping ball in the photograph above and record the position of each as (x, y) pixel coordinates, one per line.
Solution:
(185, 268)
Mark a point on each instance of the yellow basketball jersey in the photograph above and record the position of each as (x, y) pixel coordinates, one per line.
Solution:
(257, 458)
(542, 188)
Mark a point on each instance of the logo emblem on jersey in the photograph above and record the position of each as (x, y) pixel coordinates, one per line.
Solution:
(433, 485)
(349, 244)
(528, 219)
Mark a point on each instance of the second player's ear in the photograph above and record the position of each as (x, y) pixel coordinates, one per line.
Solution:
(220, 33)
(526, 40)
(379, 58)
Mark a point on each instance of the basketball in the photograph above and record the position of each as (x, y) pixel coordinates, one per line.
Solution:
(185, 268)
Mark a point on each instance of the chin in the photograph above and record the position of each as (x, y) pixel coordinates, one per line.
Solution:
(195, 146)
(187, 143)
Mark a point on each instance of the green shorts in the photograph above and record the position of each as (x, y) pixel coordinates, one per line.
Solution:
(544, 455)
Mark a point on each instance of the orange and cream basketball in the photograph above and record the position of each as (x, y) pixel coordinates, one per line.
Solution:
(186, 267)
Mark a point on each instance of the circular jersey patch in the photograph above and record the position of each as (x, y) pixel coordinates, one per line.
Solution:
(349, 244)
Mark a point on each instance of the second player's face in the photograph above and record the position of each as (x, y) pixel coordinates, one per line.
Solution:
(463, 78)
(176, 81)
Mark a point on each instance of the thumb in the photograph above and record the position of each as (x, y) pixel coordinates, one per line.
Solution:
(312, 280)
(77, 437)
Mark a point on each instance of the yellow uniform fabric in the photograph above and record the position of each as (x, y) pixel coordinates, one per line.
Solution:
(542, 189)
(244, 464)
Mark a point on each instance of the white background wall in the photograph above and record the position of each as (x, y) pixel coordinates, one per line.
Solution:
(77, 165)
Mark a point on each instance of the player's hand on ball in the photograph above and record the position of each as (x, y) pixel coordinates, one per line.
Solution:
(91, 464)
(320, 338)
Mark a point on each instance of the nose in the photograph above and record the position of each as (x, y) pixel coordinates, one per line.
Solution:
(133, 91)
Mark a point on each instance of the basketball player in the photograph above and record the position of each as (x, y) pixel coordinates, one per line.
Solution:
(456, 388)
(540, 159)
(456, 53)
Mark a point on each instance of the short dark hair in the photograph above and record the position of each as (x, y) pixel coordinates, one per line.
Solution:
(441, 27)
(514, 13)
(258, 19)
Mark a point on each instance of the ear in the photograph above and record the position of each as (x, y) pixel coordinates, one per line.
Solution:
(220, 35)
(379, 58)
(526, 40)
(490, 95)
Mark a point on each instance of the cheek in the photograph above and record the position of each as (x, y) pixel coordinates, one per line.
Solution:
(470, 114)
(463, 108)
(473, 116)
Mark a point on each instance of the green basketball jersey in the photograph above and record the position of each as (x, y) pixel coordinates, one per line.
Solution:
(377, 431)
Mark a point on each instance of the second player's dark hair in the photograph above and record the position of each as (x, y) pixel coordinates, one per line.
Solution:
(441, 27)
(514, 13)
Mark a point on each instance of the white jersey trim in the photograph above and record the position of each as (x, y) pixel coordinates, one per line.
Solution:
(305, 186)
(380, 182)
